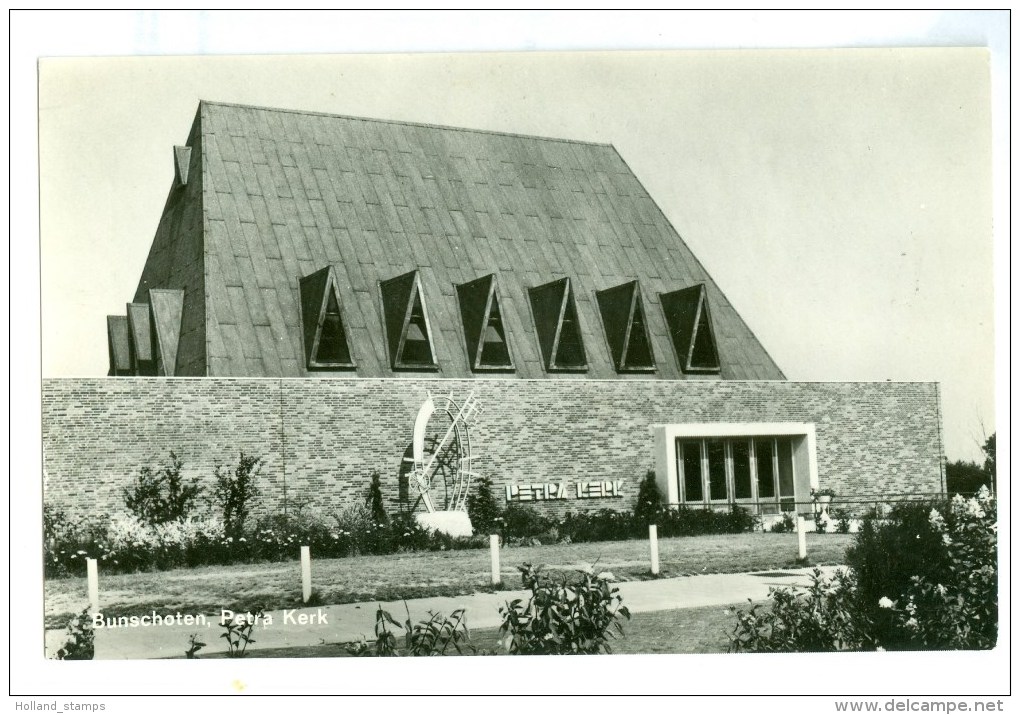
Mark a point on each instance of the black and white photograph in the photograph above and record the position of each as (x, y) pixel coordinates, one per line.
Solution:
(672, 358)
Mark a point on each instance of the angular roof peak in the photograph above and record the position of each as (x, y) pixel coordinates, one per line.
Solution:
(402, 122)
(278, 194)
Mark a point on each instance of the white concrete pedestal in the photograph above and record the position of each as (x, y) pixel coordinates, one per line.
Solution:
(452, 523)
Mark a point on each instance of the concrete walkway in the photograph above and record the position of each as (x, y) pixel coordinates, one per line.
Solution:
(352, 621)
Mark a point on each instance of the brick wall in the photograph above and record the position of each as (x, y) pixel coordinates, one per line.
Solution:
(322, 439)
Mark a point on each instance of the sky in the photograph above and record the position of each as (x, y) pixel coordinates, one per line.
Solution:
(840, 198)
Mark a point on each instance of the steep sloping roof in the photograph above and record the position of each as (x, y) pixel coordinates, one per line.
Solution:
(177, 259)
(287, 193)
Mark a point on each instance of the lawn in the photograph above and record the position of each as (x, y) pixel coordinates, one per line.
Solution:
(414, 575)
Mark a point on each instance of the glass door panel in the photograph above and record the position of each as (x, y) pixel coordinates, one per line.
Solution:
(715, 451)
(741, 451)
(690, 479)
(765, 475)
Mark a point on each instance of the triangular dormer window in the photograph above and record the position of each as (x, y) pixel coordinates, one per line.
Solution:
(408, 333)
(690, 327)
(324, 332)
(119, 342)
(166, 307)
(623, 316)
(140, 334)
(559, 333)
(484, 333)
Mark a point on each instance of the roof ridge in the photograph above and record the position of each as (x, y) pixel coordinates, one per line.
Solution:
(404, 123)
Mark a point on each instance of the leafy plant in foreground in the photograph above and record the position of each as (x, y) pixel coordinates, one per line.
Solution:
(563, 618)
(818, 618)
(431, 636)
(435, 634)
(237, 631)
(194, 645)
(385, 639)
(81, 638)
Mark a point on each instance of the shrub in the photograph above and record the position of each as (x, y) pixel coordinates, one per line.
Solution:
(520, 521)
(374, 502)
(483, 509)
(601, 525)
(843, 518)
(923, 578)
(785, 525)
(822, 521)
(887, 553)
(69, 540)
(81, 639)
(162, 495)
(406, 534)
(279, 536)
(649, 500)
(563, 618)
(820, 618)
(966, 477)
(740, 520)
(956, 607)
(236, 493)
(686, 521)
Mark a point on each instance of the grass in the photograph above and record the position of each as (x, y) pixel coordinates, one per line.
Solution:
(685, 630)
(356, 579)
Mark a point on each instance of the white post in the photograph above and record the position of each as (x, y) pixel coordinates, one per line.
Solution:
(801, 539)
(494, 552)
(653, 545)
(93, 580)
(306, 574)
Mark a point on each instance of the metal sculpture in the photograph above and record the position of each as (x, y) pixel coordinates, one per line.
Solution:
(443, 453)
(441, 457)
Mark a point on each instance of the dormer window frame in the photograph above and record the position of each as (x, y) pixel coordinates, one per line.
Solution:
(702, 314)
(415, 296)
(567, 303)
(330, 289)
(492, 300)
(636, 304)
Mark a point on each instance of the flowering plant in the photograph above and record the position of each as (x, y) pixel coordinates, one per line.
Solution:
(925, 578)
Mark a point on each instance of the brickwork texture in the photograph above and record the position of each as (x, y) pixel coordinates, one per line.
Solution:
(321, 440)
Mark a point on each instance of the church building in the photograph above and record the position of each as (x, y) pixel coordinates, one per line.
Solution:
(314, 278)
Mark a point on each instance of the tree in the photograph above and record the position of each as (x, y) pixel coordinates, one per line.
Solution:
(989, 449)
(374, 502)
(482, 507)
(965, 477)
(649, 500)
(236, 493)
(162, 495)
